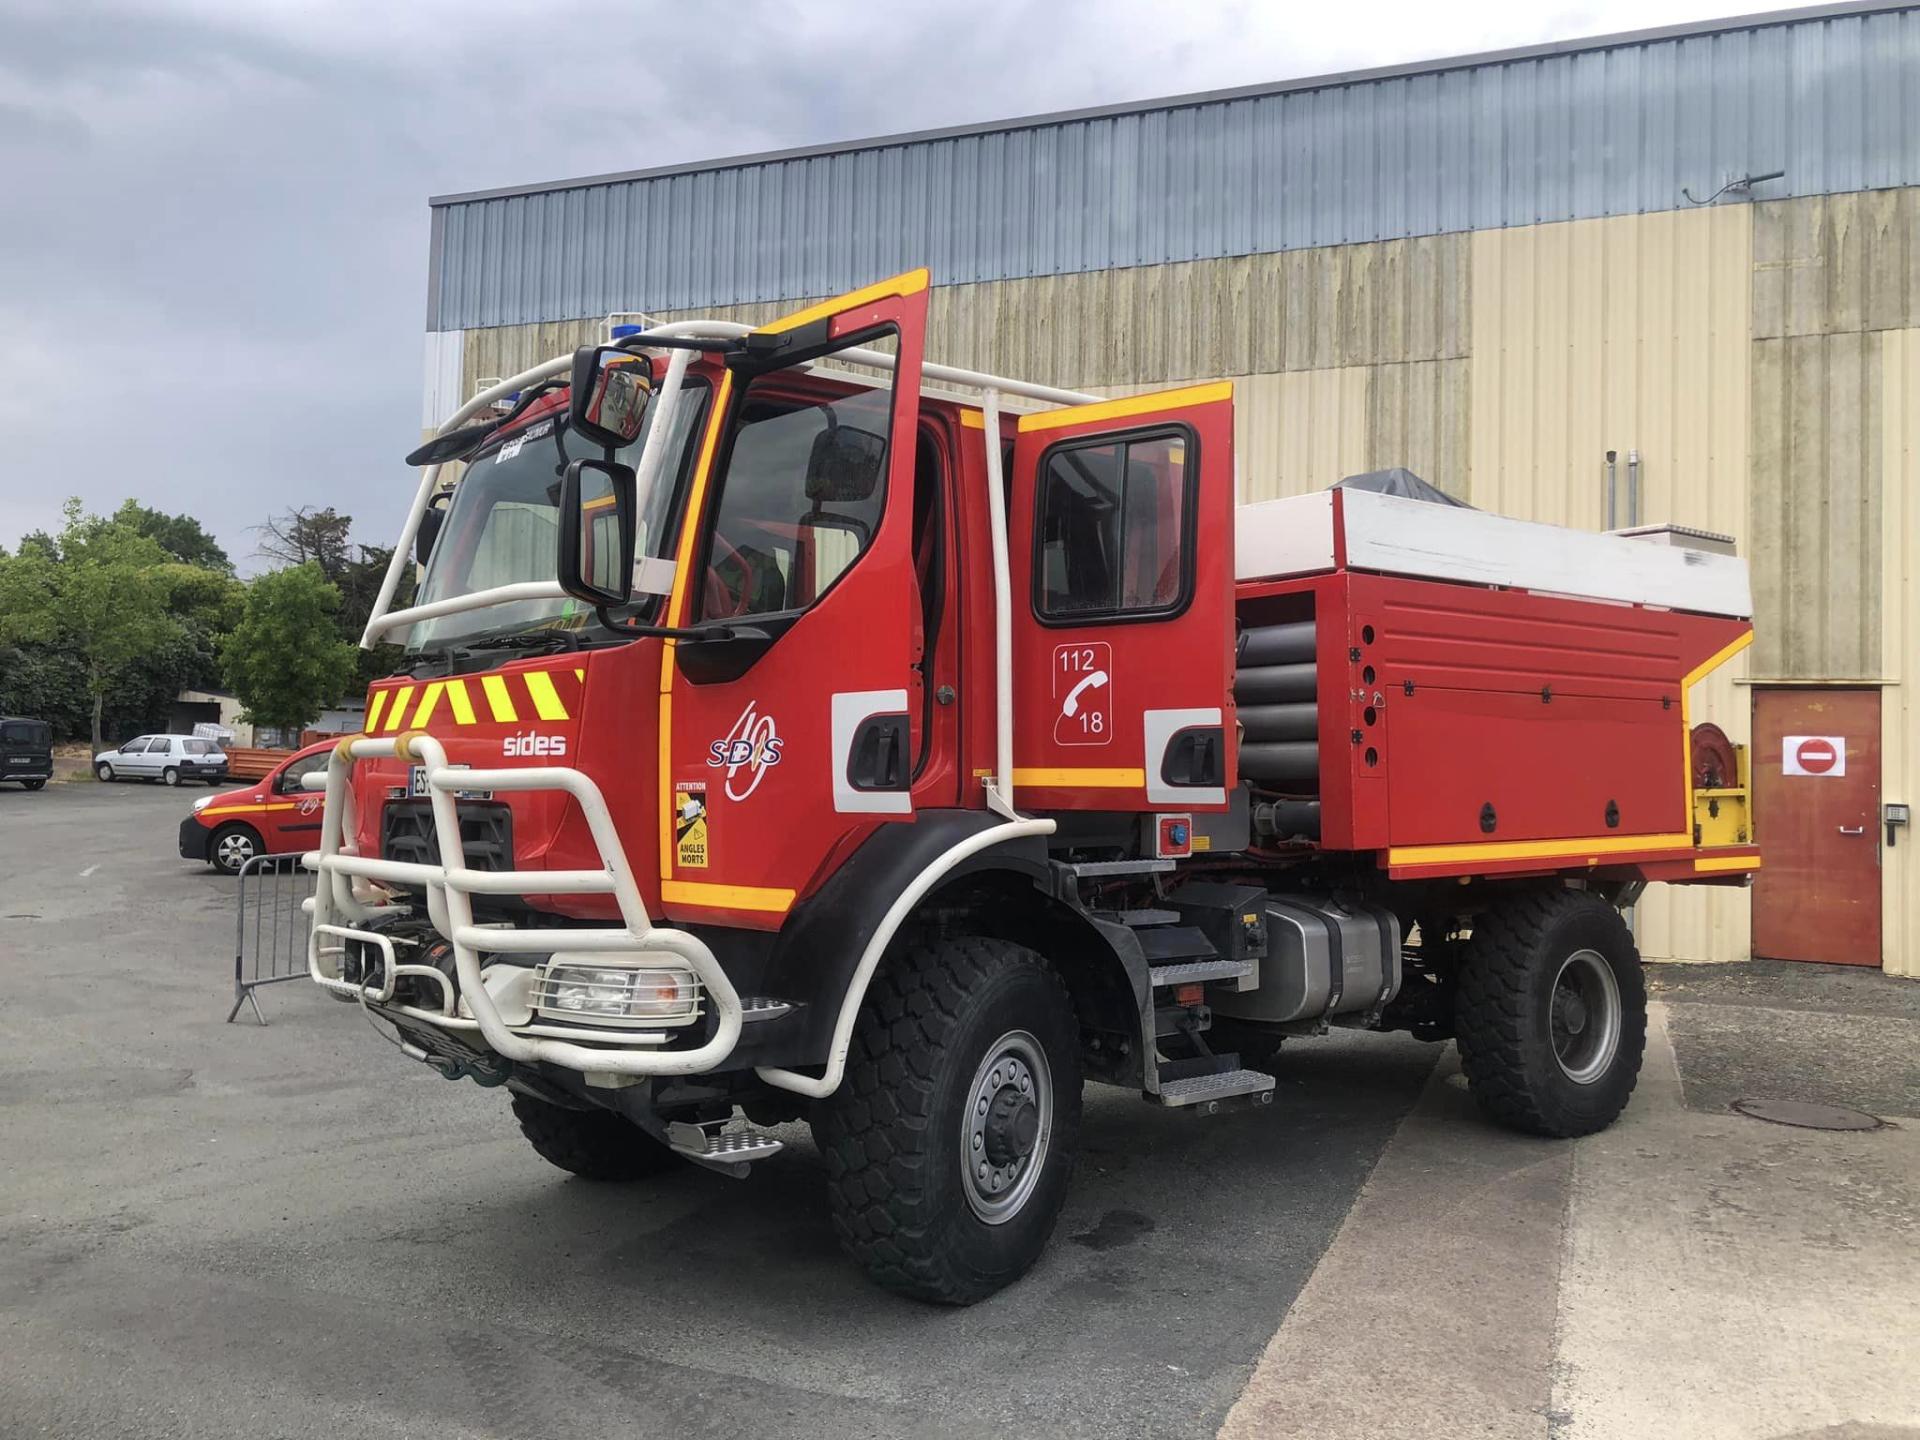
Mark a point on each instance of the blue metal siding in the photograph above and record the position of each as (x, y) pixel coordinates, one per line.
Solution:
(1617, 129)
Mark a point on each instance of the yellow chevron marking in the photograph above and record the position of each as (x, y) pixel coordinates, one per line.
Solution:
(500, 698)
(461, 702)
(581, 676)
(428, 700)
(373, 710)
(397, 716)
(546, 700)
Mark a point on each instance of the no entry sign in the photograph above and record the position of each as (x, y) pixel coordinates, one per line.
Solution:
(1813, 755)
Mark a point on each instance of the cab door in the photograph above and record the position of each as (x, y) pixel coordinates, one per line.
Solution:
(1121, 539)
(789, 744)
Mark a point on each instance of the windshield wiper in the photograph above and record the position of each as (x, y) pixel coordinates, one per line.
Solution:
(547, 638)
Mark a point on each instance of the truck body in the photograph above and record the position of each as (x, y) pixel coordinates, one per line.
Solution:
(793, 729)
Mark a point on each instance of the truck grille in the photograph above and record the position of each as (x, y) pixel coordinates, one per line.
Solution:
(486, 833)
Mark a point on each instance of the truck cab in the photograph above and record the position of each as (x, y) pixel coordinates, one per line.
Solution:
(793, 728)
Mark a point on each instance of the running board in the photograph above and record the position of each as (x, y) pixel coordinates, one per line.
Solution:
(1210, 1092)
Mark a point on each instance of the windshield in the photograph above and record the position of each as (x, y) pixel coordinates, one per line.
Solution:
(503, 525)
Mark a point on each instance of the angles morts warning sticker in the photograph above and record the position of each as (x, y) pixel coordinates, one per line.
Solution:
(1813, 755)
(690, 824)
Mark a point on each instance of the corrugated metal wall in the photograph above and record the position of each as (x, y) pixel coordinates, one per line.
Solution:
(1829, 273)
(1900, 631)
(1629, 334)
(1613, 130)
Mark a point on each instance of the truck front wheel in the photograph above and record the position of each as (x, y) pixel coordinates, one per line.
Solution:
(593, 1144)
(1550, 1012)
(950, 1142)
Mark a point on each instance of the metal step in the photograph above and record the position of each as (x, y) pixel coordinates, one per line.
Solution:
(1208, 1091)
(1094, 869)
(1146, 917)
(729, 1150)
(1162, 943)
(761, 1007)
(1194, 972)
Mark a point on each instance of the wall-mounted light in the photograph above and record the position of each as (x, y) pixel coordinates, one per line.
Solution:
(1740, 185)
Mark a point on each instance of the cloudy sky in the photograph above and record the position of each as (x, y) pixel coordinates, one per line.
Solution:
(213, 237)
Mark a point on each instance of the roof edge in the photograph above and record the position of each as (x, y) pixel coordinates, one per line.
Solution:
(1683, 30)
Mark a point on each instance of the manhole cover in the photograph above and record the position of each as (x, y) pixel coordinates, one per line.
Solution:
(1808, 1116)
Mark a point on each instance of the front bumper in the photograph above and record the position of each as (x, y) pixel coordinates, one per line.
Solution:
(492, 1008)
(193, 839)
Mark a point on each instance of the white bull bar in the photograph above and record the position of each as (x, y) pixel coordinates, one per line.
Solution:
(340, 916)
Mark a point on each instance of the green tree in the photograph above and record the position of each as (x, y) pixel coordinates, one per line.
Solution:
(285, 659)
(93, 592)
(181, 536)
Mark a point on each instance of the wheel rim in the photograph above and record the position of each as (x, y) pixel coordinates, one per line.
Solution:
(1007, 1127)
(172, 777)
(1586, 1016)
(105, 772)
(234, 851)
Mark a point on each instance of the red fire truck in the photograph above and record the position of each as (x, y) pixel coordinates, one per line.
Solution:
(793, 728)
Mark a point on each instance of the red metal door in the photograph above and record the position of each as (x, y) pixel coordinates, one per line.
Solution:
(785, 750)
(1816, 798)
(1120, 529)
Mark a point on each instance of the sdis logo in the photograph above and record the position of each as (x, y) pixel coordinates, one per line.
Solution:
(532, 744)
(750, 749)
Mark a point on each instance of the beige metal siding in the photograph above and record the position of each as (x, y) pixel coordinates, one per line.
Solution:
(1624, 334)
(1900, 646)
(1816, 507)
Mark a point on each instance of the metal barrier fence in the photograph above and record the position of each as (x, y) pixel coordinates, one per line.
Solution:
(270, 927)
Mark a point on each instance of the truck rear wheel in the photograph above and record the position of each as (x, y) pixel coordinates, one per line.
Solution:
(1551, 1013)
(593, 1144)
(950, 1143)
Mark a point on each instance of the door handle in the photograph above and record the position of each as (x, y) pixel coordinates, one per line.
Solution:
(1853, 829)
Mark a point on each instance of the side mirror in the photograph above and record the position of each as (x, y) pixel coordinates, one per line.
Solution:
(431, 519)
(610, 391)
(844, 465)
(596, 532)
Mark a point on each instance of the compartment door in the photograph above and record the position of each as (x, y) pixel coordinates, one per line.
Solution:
(1121, 537)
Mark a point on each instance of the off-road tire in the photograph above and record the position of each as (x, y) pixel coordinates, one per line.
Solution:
(1503, 1012)
(103, 772)
(593, 1144)
(893, 1137)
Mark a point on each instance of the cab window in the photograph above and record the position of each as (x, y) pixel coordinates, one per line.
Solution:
(1114, 527)
(804, 490)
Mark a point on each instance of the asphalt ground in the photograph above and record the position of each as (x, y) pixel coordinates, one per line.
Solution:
(229, 1230)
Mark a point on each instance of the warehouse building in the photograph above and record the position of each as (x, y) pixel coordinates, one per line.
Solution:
(1688, 259)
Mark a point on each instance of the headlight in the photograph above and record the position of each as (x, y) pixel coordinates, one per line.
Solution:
(202, 803)
(615, 994)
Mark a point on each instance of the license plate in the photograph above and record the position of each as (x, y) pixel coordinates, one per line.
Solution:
(417, 784)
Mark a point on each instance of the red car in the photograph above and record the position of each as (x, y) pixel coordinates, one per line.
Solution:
(276, 815)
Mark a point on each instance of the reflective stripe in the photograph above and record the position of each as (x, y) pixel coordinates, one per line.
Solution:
(1131, 405)
(546, 700)
(726, 897)
(461, 702)
(1073, 779)
(374, 709)
(500, 698)
(398, 715)
(427, 701)
(1590, 849)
